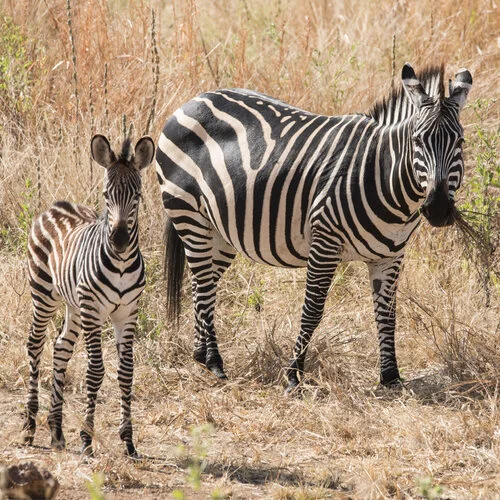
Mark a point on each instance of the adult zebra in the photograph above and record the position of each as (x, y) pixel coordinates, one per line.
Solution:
(242, 172)
(94, 265)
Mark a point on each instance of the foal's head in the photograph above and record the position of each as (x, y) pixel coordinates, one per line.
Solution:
(122, 185)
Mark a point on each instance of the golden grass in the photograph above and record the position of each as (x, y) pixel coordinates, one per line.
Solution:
(346, 437)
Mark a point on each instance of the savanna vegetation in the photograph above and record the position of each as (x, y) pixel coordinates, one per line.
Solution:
(69, 69)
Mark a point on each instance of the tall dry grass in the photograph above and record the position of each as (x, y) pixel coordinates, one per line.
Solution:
(345, 437)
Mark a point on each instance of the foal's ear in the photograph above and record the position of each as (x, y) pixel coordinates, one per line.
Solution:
(101, 151)
(144, 152)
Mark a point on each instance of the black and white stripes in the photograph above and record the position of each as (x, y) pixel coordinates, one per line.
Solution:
(94, 265)
(242, 172)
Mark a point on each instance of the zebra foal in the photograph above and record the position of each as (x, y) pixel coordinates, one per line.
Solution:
(94, 265)
(243, 172)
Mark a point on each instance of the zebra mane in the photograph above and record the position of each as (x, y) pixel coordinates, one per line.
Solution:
(126, 152)
(397, 107)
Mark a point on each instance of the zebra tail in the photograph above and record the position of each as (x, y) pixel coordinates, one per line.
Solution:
(175, 259)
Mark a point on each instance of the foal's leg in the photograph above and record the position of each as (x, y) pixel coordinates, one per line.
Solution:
(44, 308)
(91, 328)
(124, 323)
(63, 350)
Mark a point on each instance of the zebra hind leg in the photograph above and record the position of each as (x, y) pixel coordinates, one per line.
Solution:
(63, 350)
(206, 276)
(206, 350)
(44, 310)
(200, 340)
(322, 263)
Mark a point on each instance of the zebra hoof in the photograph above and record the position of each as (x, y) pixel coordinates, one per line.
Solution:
(216, 366)
(293, 389)
(391, 379)
(218, 372)
(200, 355)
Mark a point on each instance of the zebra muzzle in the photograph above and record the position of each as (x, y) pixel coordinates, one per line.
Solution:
(119, 237)
(438, 206)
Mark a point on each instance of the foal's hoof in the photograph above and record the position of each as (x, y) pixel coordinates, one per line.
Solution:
(58, 445)
(87, 451)
(57, 441)
(131, 452)
(28, 432)
(28, 438)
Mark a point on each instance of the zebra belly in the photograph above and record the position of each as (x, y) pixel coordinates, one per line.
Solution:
(276, 242)
(365, 247)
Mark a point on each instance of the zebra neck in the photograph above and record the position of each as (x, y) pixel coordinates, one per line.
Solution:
(396, 158)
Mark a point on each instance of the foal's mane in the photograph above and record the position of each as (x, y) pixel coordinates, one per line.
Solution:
(397, 107)
(126, 151)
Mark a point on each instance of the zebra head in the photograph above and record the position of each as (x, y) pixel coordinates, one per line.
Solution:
(122, 186)
(437, 144)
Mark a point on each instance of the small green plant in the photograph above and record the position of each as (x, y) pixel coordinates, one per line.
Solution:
(196, 456)
(427, 488)
(483, 199)
(15, 238)
(94, 486)
(256, 298)
(15, 68)
(26, 213)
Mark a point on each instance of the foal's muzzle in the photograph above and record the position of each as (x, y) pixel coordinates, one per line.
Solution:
(438, 207)
(119, 237)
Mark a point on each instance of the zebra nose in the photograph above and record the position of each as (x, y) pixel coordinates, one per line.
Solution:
(438, 206)
(119, 237)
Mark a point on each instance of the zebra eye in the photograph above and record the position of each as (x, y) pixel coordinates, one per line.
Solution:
(418, 141)
(460, 142)
(106, 195)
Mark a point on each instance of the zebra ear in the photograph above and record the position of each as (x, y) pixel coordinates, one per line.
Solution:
(101, 151)
(144, 152)
(412, 86)
(459, 88)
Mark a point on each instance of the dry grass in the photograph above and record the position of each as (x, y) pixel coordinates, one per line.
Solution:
(346, 437)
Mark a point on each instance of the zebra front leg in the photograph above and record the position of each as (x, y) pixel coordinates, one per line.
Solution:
(44, 310)
(384, 280)
(91, 327)
(322, 263)
(124, 327)
(63, 350)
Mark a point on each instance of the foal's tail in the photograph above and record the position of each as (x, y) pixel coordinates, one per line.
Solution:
(175, 260)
